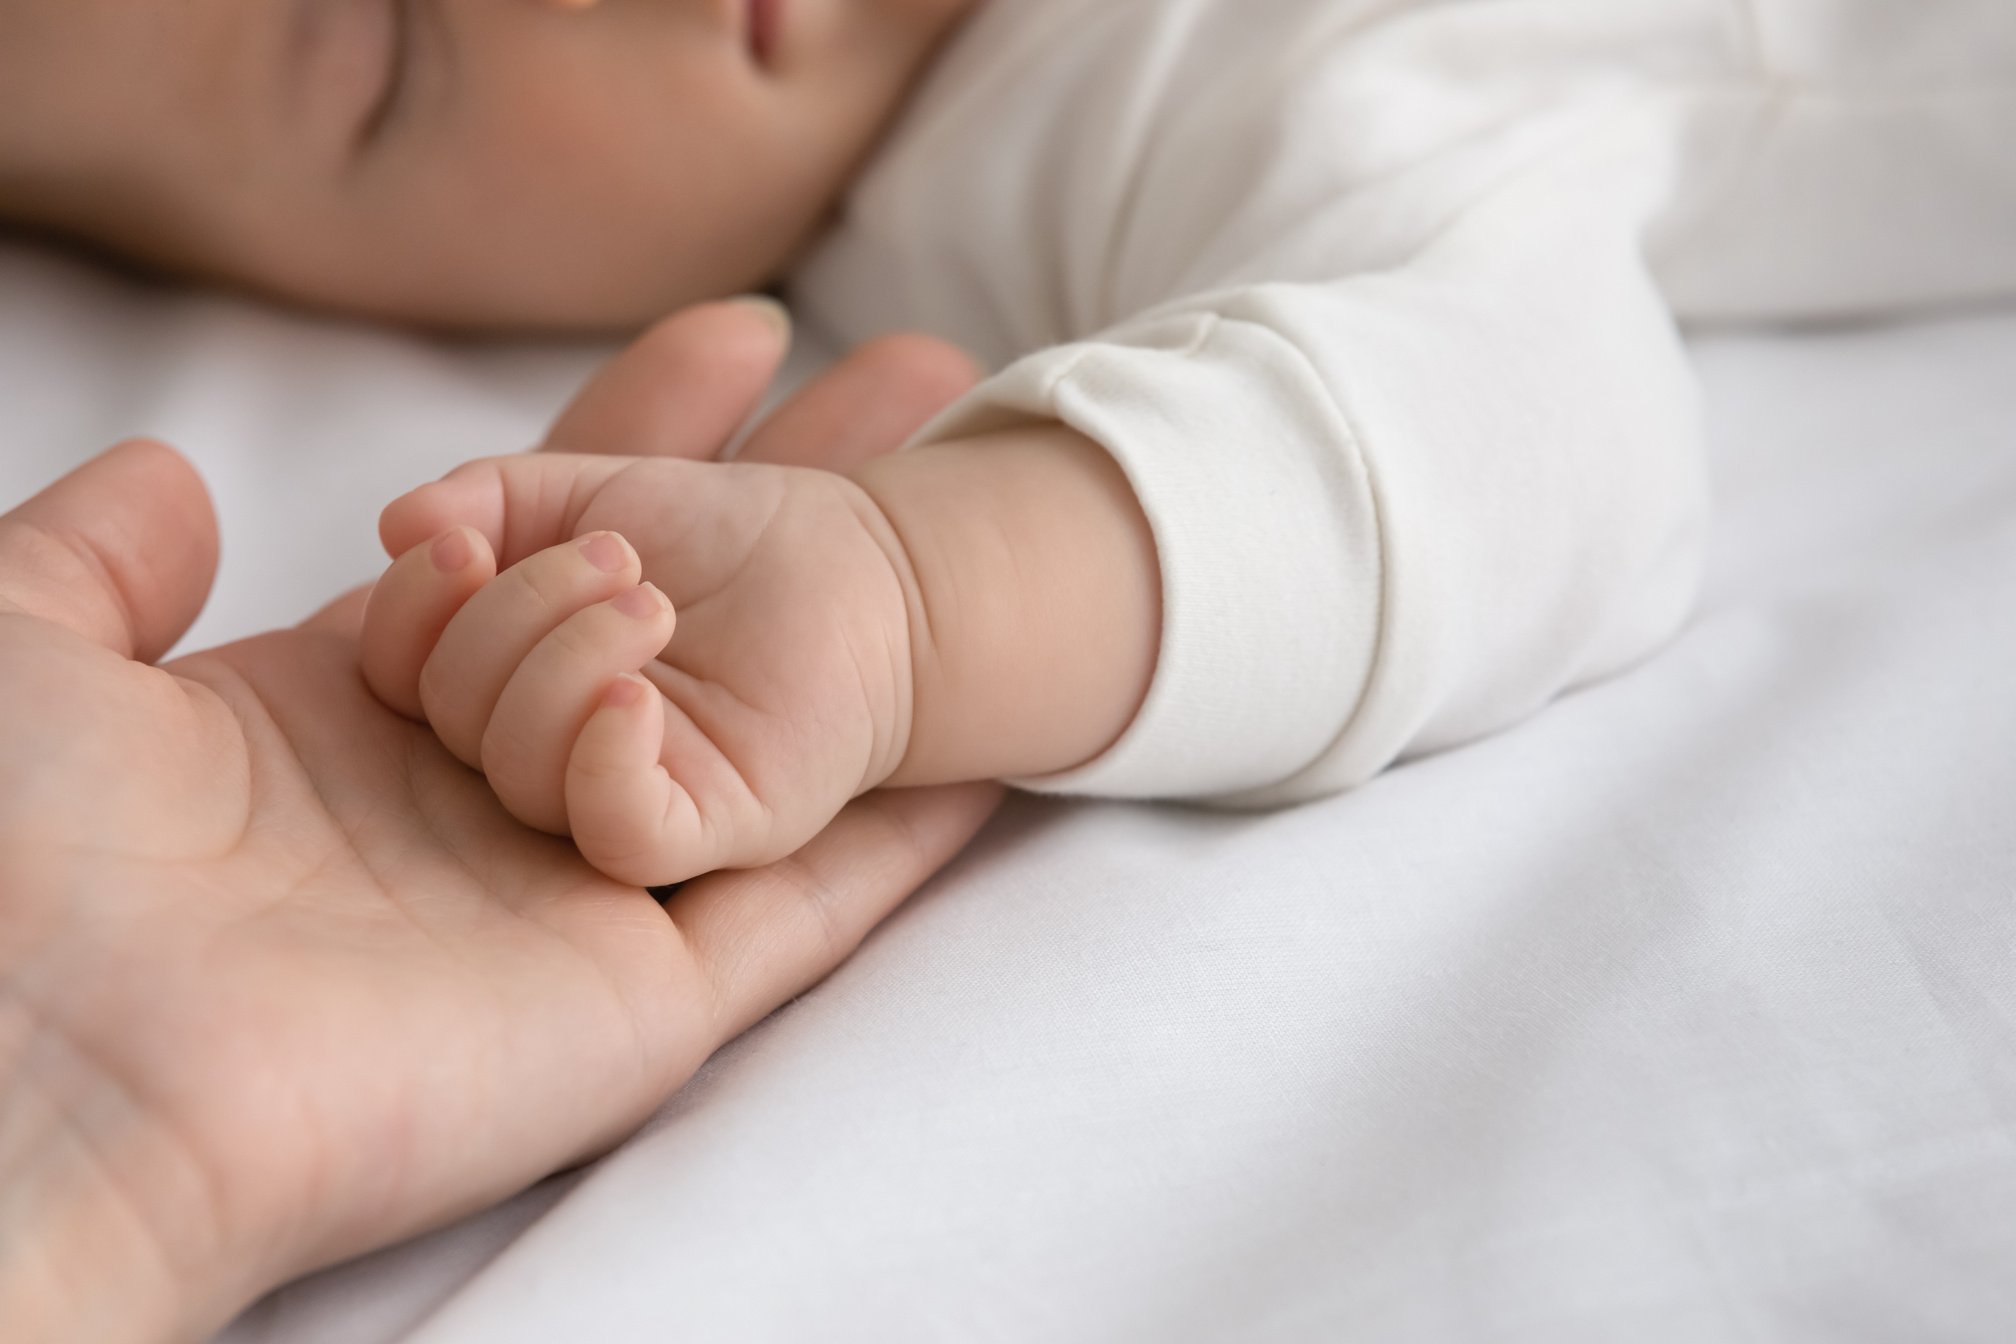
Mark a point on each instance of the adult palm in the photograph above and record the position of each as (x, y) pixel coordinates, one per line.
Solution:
(279, 979)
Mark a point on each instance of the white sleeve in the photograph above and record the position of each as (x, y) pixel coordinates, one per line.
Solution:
(1384, 300)
(1407, 506)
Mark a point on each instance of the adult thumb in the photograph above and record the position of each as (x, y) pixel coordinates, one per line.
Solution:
(121, 551)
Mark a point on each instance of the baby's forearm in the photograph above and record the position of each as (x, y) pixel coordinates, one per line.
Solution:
(1035, 601)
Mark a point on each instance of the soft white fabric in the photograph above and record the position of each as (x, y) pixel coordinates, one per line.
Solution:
(1374, 303)
(1684, 1012)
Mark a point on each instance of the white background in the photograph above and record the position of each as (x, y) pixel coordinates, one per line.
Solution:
(1685, 1011)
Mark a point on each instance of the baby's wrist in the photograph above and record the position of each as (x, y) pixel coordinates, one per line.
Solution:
(1035, 601)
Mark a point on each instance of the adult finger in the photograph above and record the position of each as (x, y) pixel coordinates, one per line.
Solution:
(122, 550)
(867, 404)
(683, 388)
(342, 615)
(765, 935)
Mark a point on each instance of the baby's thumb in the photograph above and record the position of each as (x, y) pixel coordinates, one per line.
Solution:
(121, 551)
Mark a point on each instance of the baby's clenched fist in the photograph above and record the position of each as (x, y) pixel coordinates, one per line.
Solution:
(683, 665)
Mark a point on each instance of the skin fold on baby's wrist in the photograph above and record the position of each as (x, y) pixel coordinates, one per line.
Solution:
(1035, 601)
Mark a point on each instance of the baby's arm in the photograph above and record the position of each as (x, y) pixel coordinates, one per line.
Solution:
(1035, 601)
(973, 609)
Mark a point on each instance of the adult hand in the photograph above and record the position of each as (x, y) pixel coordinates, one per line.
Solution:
(279, 980)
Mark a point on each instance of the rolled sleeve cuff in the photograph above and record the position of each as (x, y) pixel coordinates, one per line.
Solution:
(1267, 532)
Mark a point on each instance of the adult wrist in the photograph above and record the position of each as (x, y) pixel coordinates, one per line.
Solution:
(73, 1265)
(1035, 597)
(84, 1254)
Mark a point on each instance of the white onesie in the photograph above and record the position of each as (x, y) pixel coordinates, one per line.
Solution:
(1375, 302)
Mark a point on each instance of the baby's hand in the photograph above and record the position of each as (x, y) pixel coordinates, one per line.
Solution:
(785, 691)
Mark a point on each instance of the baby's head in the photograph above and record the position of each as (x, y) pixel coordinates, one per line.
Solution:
(467, 163)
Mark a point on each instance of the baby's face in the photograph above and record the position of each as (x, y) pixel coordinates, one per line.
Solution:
(479, 163)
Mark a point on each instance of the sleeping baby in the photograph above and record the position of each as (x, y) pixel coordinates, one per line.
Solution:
(1338, 410)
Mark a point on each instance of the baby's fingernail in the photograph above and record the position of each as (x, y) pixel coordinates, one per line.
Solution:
(642, 602)
(606, 551)
(767, 308)
(453, 552)
(623, 693)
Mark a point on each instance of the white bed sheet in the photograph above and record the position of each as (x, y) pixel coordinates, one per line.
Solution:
(1686, 1011)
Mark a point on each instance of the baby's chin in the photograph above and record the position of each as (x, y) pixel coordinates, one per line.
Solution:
(597, 285)
(514, 300)
(599, 268)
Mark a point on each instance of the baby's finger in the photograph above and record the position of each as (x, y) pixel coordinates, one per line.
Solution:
(549, 698)
(521, 504)
(410, 607)
(628, 816)
(496, 629)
